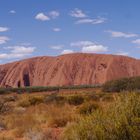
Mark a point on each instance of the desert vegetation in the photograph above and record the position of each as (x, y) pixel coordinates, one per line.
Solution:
(75, 114)
(124, 84)
(43, 115)
(120, 120)
(43, 89)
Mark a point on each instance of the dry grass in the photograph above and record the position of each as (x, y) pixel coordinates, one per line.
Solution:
(44, 116)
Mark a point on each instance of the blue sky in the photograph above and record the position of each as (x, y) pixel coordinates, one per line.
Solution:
(47, 27)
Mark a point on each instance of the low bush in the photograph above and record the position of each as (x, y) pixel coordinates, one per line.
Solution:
(5, 91)
(24, 103)
(11, 98)
(93, 97)
(57, 116)
(58, 121)
(88, 108)
(43, 89)
(75, 100)
(120, 121)
(108, 98)
(30, 100)
(54, 98)
(34, 100)
(4, 108)
(124, 84)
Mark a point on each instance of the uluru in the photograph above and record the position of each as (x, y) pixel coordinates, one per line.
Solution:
(69, 69)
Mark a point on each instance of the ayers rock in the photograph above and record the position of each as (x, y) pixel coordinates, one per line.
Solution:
(70, 69)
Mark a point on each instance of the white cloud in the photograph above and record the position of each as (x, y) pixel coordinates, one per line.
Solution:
(122, 53)
(56, 29)
(67, 51)
(12, 11)
(3, 55)
(98, 20)
(137, 41)
(89, 46)
(121, 34)
(78, 13)
(54, 14)
(3, 29)
(57, 47)
(3, 39)
(17, 52)
(42, 17)
(94, 49)
(21, 50)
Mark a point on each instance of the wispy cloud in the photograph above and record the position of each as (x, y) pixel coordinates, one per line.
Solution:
(137, 41)
(78, 13)
(57, 47)
(17, 52)
(21, 49)
(121, 34)
(122, 53)
(4, 39)
(98, 20)
(4, 29)
(85, 19)
(54, 14)
(3, 55)
(67, 51)
(42, 17)
(90, 47)
(56, 29)
(12, 12)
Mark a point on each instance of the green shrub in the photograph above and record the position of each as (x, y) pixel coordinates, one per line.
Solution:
(120, 121)
(88, 108)
(43, 89)
(54, 98)
(75, 100)
(4, 91)
(93, 97)
(108, 98)
(31, 100)
(128, 84)
(34, 100)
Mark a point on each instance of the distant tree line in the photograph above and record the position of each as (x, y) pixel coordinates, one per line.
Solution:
(43, 89)
(124, 84)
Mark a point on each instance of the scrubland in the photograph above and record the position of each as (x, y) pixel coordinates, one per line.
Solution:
(83, 114)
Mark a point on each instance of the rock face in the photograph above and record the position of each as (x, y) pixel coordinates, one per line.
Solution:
(70, 69)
